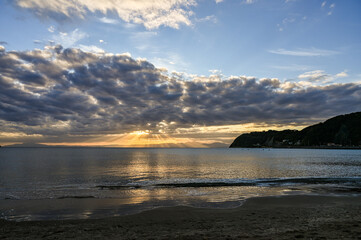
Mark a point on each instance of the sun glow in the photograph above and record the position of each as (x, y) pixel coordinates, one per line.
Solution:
(148, 139)
(195, 137)
(136, 139)
(146, 132)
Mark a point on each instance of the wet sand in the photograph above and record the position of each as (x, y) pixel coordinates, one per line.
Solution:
(287, 217)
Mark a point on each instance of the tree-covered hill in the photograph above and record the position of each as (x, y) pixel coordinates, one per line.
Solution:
(339, 131)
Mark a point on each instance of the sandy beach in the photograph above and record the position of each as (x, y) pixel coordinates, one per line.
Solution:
(286, 217)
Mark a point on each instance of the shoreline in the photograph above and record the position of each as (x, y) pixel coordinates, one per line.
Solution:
(276, 217)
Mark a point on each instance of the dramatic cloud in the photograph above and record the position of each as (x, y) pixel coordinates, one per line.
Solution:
(151, 13)
(62, 92)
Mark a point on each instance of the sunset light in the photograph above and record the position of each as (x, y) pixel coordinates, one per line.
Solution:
(180, 119)
(168, 73)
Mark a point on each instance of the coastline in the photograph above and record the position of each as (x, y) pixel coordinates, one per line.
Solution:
(307, 147)
(279, 217)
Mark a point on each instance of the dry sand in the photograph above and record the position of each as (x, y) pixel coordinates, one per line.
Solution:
(287, 217)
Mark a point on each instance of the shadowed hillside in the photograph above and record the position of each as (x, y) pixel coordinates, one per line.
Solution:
(339, 131)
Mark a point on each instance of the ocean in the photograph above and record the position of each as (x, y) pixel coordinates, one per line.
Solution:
(81, 183)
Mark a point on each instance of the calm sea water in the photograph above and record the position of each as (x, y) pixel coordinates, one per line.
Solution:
(62, 183)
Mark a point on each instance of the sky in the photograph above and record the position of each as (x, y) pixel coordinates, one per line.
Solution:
(173, 73)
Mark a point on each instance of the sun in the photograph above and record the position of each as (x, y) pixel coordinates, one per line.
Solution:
(140, 133)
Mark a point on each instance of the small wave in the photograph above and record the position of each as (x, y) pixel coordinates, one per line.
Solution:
(312, 180)
(263, 182)
(118, 187)
(80, 197)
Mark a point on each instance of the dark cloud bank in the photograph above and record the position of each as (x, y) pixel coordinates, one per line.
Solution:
(58, 92)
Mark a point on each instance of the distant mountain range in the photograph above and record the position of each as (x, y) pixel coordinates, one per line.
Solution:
(343, 131)
(38, 145)
(27, 145)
